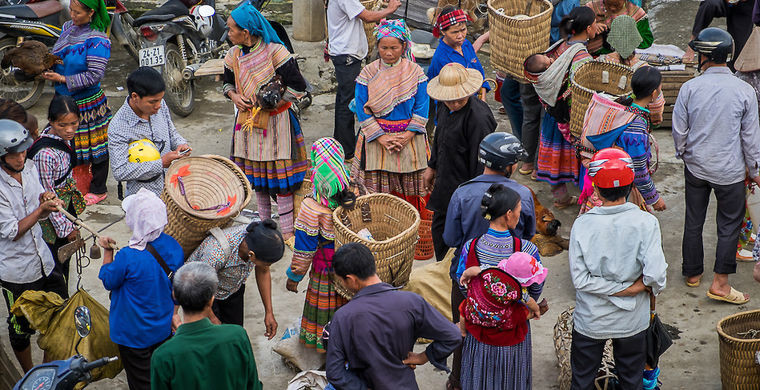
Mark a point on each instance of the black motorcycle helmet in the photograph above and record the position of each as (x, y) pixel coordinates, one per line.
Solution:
(715, 44)
(498, 151)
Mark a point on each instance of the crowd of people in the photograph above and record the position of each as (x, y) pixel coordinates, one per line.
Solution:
(425, 136)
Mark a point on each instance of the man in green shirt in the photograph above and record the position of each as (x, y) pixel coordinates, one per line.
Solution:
(202, 355)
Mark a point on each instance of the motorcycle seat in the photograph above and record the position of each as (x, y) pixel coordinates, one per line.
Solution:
(34, 10)
(168, 11)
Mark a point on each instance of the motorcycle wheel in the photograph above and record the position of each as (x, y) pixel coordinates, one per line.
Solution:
(180, 93)
(130, 36)
(25, 93)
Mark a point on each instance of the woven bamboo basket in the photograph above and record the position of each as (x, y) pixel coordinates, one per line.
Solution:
(298, 196)
(739, 336)
(563, 338)
(596, 76)
(394, 224)
(514, 39)
(209, 181)
(369, 28)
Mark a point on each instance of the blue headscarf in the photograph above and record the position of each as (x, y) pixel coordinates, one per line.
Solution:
(249, 18)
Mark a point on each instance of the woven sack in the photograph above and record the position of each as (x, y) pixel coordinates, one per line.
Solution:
(595, 77)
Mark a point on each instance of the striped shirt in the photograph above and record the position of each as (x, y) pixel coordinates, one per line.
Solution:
(52, 164)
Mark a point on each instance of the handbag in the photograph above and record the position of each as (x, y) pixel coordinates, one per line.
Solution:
(658, 340)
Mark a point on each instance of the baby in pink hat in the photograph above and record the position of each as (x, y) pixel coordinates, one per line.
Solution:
(525, 269)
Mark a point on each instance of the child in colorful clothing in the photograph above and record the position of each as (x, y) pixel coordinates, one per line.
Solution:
(55, 160)
(633, 137)
(314, 244)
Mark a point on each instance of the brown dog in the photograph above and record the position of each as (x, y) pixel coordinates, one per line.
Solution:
(546, 238)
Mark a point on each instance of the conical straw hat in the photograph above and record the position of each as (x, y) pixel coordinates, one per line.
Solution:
(749, 58)
(454, 82)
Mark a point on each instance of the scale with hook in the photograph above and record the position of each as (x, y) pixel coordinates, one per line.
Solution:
(76, 248)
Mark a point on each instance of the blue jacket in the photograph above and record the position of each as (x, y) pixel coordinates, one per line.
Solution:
(464, 220)
(141, 294)
(560, 11)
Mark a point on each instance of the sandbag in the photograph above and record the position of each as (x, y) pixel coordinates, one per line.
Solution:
(53, 317)
(295, 353)
(432, 282)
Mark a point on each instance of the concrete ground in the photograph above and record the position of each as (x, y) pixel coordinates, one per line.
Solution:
(692, 361)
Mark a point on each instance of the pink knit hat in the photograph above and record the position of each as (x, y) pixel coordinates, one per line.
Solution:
(525, 268)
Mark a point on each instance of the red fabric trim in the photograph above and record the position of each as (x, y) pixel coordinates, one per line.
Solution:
(496, 336)
(280, 110)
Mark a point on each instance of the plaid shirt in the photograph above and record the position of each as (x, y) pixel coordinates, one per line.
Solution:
(52, 164)
(126, 127)
(231, 270)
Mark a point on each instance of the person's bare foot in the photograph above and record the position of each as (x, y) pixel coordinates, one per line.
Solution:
(694, 281)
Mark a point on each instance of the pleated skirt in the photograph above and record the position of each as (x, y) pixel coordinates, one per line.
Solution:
(321, 303)
(91, 138)
(488, 367)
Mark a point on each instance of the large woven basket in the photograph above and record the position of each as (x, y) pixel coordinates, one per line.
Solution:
(514, 39)
(739, 336)
(209, 181)
(369, 28)
(393, 223)
(563, 338)
(595, 76)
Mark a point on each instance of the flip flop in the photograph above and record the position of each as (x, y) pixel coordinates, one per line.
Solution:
(573, 200)
(736, 297)
(694, 284)
(525, 171)
(91, 199)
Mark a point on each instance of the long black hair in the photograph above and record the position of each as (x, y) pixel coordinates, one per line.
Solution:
(576, 21)
(60, 106)
(497, 201)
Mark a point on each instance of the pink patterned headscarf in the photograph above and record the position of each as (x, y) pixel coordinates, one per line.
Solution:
(396, 28)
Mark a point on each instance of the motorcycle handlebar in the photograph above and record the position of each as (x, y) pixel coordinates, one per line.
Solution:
(98, 363)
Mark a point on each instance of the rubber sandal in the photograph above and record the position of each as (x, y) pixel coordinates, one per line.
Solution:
(534, 176)
(91, 199)
(736, 297)
(694, 284)
(744, 256)
(563, 205)
(525, 171)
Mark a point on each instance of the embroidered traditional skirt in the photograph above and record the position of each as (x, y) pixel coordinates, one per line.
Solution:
(745, 233)
(321, 303)
(557, 161)
(488, 367)
(406, 184)
(278, 177)
(91, 139)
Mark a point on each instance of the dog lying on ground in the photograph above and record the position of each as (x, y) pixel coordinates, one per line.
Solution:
(546, 238)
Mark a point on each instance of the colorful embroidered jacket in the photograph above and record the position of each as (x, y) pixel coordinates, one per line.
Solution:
(85, 53)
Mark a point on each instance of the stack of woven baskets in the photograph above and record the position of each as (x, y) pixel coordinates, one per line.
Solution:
(596, 76)
(739, 336)
(424, 249)
(393, 224)
(202, 193)
(519, 28)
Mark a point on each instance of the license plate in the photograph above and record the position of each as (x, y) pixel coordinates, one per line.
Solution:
(152, 56)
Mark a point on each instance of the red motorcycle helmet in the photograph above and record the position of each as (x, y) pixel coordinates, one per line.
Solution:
(611, 168)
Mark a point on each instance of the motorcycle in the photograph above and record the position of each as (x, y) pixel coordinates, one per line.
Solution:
(20, 20)
(184, 42)
(65, 374)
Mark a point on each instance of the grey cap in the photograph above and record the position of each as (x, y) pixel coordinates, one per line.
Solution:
(14, 138)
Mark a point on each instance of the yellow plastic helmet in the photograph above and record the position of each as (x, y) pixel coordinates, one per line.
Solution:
(143, 150)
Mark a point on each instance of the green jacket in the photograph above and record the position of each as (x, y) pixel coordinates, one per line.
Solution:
(205, 356)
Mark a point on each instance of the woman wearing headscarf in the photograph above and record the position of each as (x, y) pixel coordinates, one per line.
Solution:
(267, 144)
(392, 107)
(315, 235)
(142, 307)
(624, 38)
(608, 10)
(85, 49)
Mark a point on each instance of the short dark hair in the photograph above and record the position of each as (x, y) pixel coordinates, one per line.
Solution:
(617, 193)
(354, 259)
(498, 200)
(145, 81)
(645, 80)
(533, 63)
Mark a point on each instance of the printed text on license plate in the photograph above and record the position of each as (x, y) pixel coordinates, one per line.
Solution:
(152, 56)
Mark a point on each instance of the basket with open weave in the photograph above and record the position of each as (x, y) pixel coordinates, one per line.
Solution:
(369, 28)
(600, 77)
(563, 338)
(202, 193)
(519, 28)
(739, 336)
(393, 223)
